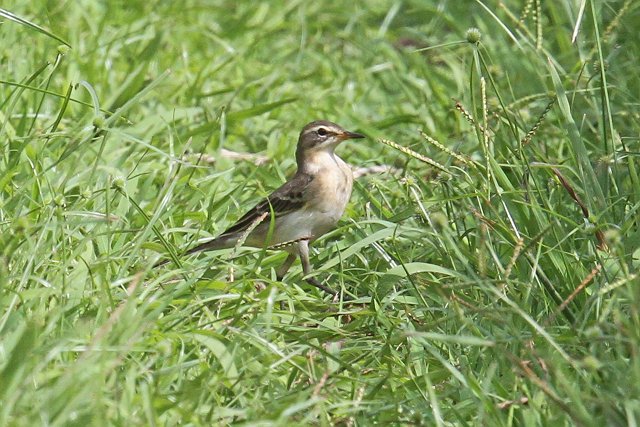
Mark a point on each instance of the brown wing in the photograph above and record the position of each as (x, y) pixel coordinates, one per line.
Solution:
(287, 198)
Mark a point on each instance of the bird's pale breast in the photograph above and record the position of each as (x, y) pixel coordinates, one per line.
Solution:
(329, 194)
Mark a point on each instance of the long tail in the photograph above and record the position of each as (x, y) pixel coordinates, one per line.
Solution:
(220, 242)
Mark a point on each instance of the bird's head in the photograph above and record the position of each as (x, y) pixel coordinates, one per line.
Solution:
(321, 136)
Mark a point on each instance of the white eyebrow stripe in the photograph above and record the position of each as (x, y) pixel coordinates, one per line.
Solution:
(327, 128)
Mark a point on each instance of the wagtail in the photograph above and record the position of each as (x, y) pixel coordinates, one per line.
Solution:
(302, 209)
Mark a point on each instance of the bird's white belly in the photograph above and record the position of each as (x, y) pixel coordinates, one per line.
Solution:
(305, 224)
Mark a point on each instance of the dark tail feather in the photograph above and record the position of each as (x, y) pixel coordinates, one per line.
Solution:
(220, 242)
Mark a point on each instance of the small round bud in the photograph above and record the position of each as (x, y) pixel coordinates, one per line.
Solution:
(591, 363)
(598, 66)
(164, 347)
(408, 181)
(21, 224)
(473, 35)
(98, 121)
(60, 201)
(612, 237)
(592, 333)
(86, 193)
(63, 49)
(118, 182)
(495, 71)
(439, 220)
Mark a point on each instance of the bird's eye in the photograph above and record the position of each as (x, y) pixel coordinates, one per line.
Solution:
(322, 132)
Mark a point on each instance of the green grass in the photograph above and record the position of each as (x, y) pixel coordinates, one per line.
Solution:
(498, 288)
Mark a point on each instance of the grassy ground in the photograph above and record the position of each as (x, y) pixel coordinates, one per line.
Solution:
(496, 286)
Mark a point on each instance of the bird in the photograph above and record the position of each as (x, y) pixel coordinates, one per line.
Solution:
(301, 210)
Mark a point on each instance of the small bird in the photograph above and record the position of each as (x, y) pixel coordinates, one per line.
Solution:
(302, 209)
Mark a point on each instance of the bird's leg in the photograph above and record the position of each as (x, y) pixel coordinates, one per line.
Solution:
(285, 266)
(303, 251)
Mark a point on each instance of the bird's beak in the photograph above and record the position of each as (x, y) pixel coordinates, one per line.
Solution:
(350, 135)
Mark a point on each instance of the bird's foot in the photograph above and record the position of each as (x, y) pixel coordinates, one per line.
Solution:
(336, 295)
(315, 282)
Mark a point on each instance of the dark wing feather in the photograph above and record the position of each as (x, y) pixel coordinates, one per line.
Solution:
(287, 198)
